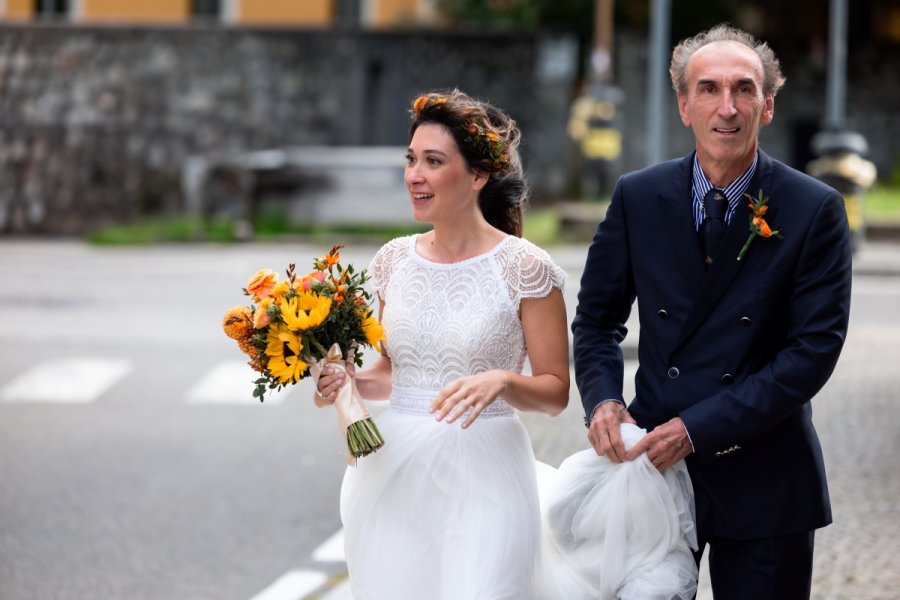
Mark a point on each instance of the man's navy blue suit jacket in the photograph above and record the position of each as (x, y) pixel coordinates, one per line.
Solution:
(737, 349)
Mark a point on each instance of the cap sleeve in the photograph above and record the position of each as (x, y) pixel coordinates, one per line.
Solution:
(382, 266)
(531, 273)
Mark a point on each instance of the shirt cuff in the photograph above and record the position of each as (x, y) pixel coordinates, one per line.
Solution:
(688, 435)
(590, 417)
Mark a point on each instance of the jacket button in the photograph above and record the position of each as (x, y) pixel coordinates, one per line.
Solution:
(727, 378)
(673, 373)
(745, 321)
(663, 313)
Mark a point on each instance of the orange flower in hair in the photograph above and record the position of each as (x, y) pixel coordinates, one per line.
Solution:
(420, 103)
(423, 102)
(488, 144)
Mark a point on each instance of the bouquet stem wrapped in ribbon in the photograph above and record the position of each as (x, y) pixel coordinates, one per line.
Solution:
(358, 428)
(298, 325)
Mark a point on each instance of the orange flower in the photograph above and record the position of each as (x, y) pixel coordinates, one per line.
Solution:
(492, 136)
(334, 256)
(261, 317)
(237, 322)
(247, 347)
(261, 284)
(758, 225)
(420, 103)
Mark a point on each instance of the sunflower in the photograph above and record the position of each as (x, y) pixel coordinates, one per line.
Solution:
(237, 322)
(305, 311)
(283, 350)
(374, 331)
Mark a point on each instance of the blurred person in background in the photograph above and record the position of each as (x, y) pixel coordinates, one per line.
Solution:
(741, 269)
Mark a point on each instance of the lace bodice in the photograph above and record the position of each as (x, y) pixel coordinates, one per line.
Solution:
(445, 321)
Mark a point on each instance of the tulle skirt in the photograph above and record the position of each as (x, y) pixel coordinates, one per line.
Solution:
(617, 530)
(443, 513)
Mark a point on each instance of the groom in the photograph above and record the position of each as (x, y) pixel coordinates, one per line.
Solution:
(731, 350)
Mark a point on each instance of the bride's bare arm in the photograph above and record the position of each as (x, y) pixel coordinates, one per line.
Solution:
(545, 390)
(374, 383)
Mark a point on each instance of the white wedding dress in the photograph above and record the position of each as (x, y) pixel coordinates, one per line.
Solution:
(441, 512)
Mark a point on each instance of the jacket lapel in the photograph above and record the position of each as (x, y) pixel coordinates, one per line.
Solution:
(726, 267)
(676, 208)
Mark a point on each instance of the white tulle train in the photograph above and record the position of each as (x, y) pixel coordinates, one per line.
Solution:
(616, 530)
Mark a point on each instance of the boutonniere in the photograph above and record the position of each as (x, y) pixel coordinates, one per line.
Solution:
(758, 225)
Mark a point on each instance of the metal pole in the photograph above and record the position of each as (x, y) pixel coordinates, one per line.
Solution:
(601, 55)
(835, 101)
(657, 140)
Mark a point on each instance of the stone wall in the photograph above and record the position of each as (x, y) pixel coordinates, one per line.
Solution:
(96, 123)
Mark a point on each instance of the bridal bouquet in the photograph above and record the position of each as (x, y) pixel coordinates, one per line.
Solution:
(297, 325)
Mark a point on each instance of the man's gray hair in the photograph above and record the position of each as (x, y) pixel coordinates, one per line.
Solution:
(772, 77)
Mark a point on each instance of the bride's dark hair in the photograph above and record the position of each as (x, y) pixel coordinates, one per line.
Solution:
(489, 140)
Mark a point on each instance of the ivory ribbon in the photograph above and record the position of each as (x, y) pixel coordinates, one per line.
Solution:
(348, 404)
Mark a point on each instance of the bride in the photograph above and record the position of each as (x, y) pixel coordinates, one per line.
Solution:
(449, 508)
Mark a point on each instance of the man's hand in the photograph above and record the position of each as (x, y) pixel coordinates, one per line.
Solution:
(604, 433)
(665, 445)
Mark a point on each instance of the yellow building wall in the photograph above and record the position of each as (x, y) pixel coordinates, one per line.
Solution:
(285, 12)
(19, 9)
(142, 11)
(387, 13)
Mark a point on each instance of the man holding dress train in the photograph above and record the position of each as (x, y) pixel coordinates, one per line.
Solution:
(741, 269)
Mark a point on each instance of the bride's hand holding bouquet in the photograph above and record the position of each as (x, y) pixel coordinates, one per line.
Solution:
(296, 326)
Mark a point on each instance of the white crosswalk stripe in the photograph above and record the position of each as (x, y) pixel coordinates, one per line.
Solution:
(231, 383)
(332, 549)
(75, 380)
(293, 585)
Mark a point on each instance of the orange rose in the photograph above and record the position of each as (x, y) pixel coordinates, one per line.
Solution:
(492, 136)
(262, 283)
(261, 317)
(420, 103)
(764, 229)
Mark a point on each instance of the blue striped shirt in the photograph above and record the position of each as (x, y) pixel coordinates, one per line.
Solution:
(734, 191)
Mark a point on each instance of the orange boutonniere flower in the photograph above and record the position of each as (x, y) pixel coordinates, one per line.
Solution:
(758, 225)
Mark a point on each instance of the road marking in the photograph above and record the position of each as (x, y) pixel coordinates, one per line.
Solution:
(75, 380)
(293, 585)
(231, 382)
(332, 549)
(341, 592)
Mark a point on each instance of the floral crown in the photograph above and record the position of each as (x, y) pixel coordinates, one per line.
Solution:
(478, 135)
